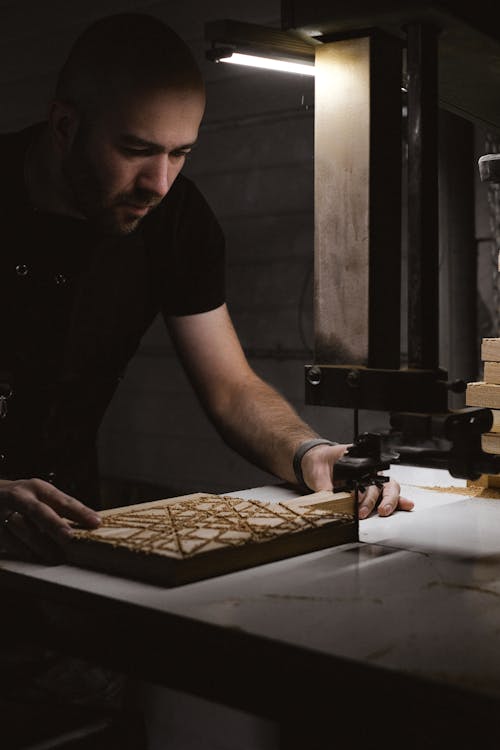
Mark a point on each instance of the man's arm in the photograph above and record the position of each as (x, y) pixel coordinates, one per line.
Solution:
(250, 415)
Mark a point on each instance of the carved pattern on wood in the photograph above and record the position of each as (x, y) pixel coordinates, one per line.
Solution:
(187, 528)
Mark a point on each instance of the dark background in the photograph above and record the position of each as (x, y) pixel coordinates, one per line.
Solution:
(254, 163)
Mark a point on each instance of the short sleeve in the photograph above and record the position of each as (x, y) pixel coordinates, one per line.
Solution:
(187, 250)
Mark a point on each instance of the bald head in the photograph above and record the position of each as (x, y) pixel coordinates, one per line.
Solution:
(122, 56)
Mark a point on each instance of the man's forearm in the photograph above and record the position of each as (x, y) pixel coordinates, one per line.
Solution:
(260, 424)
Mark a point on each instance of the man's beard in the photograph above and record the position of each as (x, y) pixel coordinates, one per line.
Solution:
(108, 214)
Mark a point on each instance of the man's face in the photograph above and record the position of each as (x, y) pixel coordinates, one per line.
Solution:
(122, 164)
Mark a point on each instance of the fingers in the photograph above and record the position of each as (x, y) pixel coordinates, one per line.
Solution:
(64, 504)
(391, 499)
(27, 542)
(46, 520)
(46, 509)
(405, 504)
(368, 501)
(387, 500)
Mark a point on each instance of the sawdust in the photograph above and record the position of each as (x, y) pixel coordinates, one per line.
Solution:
(491, 493)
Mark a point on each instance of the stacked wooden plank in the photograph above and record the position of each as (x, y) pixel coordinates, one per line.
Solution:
(486, 393)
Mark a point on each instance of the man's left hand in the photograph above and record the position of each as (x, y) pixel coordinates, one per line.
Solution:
(318, 470)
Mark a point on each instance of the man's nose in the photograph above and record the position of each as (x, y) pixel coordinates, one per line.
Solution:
(154, 175)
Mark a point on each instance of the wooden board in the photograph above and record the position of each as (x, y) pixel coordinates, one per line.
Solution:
(483, 394)
(490, 442)
(492, 372)
(189, 538)
(486, 393)
(490, 350)
(495, 427)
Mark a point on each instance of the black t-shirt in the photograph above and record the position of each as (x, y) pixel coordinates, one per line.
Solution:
(74, 305)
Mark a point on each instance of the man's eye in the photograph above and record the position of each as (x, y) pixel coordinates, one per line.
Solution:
(179, 154)
(135, 151)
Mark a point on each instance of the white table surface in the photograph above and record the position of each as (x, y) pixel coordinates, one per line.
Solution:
(420, 593)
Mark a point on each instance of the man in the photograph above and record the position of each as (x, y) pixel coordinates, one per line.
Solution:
(101, 233)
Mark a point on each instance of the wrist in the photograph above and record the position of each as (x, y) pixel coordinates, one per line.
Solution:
(303, 448)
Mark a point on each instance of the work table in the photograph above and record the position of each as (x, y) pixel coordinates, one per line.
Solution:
(408, 615)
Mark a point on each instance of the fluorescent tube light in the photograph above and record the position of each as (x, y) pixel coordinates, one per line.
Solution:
(268, 63)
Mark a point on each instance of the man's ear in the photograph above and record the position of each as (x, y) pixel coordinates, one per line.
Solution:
(64, 121)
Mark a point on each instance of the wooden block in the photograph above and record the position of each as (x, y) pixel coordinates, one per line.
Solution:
(490, 442)
(495, 427)
(189, 538)
(483, 394)
(490, 350)
(492, 372)
(340, 502)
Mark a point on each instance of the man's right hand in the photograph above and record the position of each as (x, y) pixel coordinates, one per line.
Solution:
(34, 518)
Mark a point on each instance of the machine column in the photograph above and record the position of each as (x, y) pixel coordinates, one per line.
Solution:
(423, 227)
(358, 201)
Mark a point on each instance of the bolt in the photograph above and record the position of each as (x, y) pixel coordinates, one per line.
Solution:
(314, 375)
